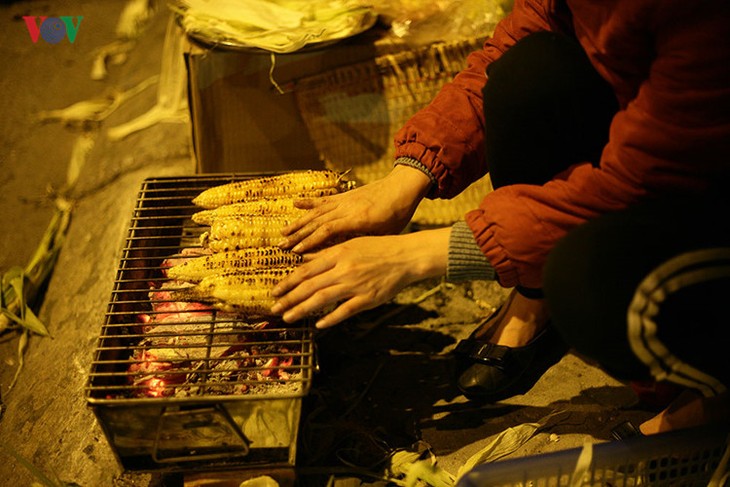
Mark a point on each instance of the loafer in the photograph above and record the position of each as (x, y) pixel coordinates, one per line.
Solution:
(625, 431)
(489, 371)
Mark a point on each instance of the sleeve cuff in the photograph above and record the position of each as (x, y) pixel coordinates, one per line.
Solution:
(407, 161)
(466, 262)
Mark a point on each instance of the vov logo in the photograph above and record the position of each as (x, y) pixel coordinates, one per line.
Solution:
(52, 29)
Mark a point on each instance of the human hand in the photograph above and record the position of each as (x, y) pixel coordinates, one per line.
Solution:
(382, 207)
(360, 274)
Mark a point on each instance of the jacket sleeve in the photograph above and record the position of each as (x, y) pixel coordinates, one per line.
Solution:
(447, 135)
(671, 137)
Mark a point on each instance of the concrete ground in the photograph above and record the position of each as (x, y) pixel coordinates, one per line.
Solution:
(385, 379)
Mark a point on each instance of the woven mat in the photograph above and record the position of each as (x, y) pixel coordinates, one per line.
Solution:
(353, 112)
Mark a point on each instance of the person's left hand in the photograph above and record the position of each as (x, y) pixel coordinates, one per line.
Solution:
(359, 274)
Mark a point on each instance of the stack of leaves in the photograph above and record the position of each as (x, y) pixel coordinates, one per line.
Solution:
(22, 287)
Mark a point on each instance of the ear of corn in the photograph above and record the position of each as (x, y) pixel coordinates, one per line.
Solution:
(245, 220)
(299, 183)
(247, 292)
(235, 233)
(262, 207)
(196, 269)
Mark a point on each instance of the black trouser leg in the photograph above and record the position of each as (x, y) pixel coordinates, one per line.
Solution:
(545, 109)
(592, 281)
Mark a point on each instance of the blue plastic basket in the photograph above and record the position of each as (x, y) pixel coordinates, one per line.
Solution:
(684, 458)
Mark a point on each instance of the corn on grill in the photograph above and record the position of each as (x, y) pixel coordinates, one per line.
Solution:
(177, 386)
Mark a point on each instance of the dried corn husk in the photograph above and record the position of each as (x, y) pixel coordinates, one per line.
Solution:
(79, 154)
(133, 19)
(283, 26)
(409, 468)
(582, 466)
(20, 286)
(504, 443)
(171, 103)
(82, 112)
(86, 112)
(114, 53)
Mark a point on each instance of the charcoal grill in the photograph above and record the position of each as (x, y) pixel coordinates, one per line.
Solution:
(179, 386)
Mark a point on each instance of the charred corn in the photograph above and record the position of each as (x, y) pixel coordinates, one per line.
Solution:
(266, 206)
(196, 269)
(236, 233)
(247, 293)
(299, 183)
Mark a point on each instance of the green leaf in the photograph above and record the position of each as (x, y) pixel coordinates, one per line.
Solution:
(16, 283)
(9, 296)
(22, 343)
(14, 279)
(12, 317)
(34, 324)
(10, 274)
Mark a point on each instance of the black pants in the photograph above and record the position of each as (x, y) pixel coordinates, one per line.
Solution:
(642, 292)
(545, 109)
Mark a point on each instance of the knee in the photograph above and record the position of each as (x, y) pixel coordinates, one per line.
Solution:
(538, 65)
(585, 308)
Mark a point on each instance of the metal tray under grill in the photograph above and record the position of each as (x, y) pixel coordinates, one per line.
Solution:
(179, 386)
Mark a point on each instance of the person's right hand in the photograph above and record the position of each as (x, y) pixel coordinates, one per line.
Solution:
(382, 207)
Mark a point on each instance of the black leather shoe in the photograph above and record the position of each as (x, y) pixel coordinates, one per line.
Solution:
(488, 371)
(625, 431)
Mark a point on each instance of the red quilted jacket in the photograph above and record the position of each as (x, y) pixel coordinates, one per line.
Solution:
(669, 64)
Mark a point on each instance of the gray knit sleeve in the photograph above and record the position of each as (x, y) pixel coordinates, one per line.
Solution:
(407, 161)
(466, 261)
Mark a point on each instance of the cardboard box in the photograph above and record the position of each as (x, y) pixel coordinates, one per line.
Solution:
(241, 122)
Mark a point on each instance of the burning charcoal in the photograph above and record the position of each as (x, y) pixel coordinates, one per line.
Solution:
(190, 341)
(165, 309)
(268, 367)
(155, 376)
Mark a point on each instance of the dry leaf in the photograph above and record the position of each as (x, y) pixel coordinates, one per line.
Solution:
(582, 466)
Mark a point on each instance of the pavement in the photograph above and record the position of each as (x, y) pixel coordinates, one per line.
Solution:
(385, 377)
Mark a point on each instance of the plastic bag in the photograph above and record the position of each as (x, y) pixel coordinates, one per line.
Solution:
(279, 26)
(422, 22)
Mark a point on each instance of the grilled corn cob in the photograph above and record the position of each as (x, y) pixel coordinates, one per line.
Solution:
(300, 183)
(248, 293)
(195, 269)
(235, 233)
(266, 206)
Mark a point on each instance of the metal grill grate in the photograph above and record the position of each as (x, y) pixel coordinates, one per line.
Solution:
(195, 364)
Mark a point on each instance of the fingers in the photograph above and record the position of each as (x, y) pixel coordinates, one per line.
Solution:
(298, 235)
(313, 286)
(345, 310)
(308, 270)
(305, 300)
(316, 235)
(321, 298)
(316, 209)
(314, 230)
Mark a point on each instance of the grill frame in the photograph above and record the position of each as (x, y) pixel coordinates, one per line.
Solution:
(208, 430)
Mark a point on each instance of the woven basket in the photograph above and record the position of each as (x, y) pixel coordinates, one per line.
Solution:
(353, 112)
